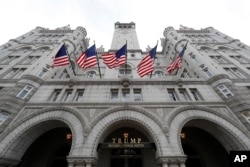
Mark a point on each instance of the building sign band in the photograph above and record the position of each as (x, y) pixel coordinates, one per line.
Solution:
(126, 142)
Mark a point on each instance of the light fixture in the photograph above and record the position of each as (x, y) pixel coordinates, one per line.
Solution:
(68, 136)
(183, 135)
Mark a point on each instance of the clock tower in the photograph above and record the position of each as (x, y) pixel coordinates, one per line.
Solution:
(125, 32)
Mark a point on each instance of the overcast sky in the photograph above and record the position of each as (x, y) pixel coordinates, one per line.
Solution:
(231, 17)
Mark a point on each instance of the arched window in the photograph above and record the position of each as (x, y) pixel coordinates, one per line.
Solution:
(159, 74)
(125, 70)
(91, 74)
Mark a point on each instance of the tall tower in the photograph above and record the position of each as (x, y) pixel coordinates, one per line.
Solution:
(125, 32)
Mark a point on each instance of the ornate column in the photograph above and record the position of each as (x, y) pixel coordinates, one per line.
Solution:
(75, 162)
(90, 162)
(172, 161)
(81, 161)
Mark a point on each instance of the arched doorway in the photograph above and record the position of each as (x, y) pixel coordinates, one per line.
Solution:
(50, 149)
(126, 147)
(202, 148)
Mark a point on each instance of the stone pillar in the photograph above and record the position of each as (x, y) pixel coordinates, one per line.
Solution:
(81, 161)
(75, 162)
(90, 162)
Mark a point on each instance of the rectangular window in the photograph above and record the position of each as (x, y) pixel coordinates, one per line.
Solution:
(114, 94)
(234, 73)
(42, 73)
(195, 94)
(238, 73)
(218, 59)
(230, 73)
(239, 58)
(64, 74)
(185, 74)
(125, 95)
(27, 60)
(183, 95)
(25, 92)
(3, 116)
(15, 73)
(68, 95)
(56, 94)
(137, 95)
(224, 90)
(208, 72)
(172, 95)
(79, 95)
(8, 59)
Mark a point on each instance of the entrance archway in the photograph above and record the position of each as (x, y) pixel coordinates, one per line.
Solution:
(226, 133)
(50, 149)
(202, 149)
(126, 147)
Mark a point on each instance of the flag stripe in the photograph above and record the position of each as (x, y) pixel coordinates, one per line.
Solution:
(146, 65)
(88, 58)
(177, 62)
(61, 58)
(115, 59)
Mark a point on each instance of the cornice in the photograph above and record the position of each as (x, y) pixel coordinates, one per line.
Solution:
(147, 81)
(56, 31)
(193, 31)
(101, 105)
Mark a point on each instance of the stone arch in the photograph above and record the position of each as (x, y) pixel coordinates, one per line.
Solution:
(88, 71)
(45, 47)
(236, 138)
(223, 47)
(160, 71)
(28, 47)
(15, 143)
(143, 121)
(204, 47)
(132, 108)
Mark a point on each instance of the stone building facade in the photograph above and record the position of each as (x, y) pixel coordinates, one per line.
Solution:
(194, 117)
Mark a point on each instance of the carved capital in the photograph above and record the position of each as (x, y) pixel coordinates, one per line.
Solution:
(81, 161)
(171, 159)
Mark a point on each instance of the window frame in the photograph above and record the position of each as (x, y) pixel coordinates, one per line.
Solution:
(172, 94)
(25, 92)
(3, 116)
(225, 90)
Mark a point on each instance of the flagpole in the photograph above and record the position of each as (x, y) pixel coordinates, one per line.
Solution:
(154, 58)
(126, 59)
(98, 61)
(181, 59)
(69, 59)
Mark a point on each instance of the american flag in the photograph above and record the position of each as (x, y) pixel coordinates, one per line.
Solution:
(61, 58)
(88, 58)
(115, 59)
(177, 62)
(146, 65)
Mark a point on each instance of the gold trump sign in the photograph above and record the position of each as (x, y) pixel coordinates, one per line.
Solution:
(126, 142)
